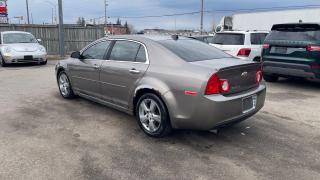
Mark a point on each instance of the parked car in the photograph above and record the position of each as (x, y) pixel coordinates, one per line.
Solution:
(292, 50)
(204, 38)
(245, 45)
(167, 83)
(21, 47)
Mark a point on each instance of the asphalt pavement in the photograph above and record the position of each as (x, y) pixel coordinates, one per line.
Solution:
(44, 136)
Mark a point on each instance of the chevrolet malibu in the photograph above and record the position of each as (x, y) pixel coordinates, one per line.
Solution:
(166, 82)
(21, 47)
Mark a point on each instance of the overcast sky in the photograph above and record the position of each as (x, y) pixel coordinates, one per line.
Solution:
(41, 10)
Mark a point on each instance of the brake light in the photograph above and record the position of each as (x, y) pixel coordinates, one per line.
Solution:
(259, 77)
(266, 46)
(313, 48)
(216, 85)
(244, 52)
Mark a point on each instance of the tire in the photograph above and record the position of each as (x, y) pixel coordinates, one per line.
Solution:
(257, 59)
(64, 86)
(154, 122)
(270, 78)
(2, 63)
(44, 63)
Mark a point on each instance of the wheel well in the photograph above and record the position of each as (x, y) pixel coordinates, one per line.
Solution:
(257, 59)
(59, 71)
(141, 92)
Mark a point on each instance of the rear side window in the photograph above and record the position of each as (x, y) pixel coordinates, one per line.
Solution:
(228, 39)
(141, 56)
(193, 50)
(258, 38)
(124, 51)
(295, 35)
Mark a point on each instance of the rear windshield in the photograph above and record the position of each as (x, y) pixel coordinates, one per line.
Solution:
(295, 35)
(258, 38)
(228, 39)
(193, 50)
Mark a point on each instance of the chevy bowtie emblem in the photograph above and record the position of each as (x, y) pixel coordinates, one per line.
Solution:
(244, 74)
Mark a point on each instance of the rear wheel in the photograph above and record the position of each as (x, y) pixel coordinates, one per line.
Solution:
(65, 86)
(2, 62)
(270, 78)
(44, 62)
(152, 115)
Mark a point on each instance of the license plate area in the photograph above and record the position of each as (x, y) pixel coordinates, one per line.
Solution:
(28, 57)
(249, 104)
(279, 50)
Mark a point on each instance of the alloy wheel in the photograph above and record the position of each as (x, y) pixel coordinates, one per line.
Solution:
(150, 115)
(64, 84)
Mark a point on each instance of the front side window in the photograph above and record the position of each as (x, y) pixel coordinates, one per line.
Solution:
(258, 38)
(125, 51)
(97, 51)
(228, 39)
(13, 38)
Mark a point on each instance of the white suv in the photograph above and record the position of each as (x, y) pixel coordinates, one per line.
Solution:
(245, 45)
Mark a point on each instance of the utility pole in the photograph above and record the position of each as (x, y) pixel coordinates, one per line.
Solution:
(27, 5)
(201, 23)
(105, 12)
(61, 30)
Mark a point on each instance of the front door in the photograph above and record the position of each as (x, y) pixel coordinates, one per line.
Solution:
(85, 72)
(119, 75)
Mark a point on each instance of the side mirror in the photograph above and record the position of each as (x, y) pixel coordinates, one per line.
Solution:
(39, 40)
(76, 55)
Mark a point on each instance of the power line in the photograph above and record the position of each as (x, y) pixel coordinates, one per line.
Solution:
(214, 11)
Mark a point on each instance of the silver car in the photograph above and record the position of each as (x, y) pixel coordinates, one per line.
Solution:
(166, 82)
(21, 47)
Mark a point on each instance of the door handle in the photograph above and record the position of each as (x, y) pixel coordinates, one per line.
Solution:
(96, 67)
(134, 71)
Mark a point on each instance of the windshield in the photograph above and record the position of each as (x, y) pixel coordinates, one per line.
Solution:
(228, 39)
(13, 38)
(193, 50)
(294, 35)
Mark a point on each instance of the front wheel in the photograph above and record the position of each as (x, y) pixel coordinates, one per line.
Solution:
(270, 78)
(152, 115)
(65, 86)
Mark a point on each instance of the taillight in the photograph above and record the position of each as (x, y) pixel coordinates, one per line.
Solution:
(313, 48)
(216, 85)
(259, 77)
(244, 52)
(266, 46)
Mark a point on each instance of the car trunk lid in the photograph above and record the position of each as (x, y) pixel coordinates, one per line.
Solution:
(240, 74)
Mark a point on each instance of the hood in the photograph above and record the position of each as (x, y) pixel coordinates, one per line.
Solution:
(217, 64)
(24, 47)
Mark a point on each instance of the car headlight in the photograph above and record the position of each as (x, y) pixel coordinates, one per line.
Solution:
(42, 49)
(7, 50)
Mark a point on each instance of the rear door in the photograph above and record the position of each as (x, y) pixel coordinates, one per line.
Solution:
(289, 43)
(230, 43)
(127, 63)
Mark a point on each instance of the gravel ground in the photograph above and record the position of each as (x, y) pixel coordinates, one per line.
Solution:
(46, 137)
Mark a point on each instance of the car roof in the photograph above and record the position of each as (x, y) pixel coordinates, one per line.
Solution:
(145, 37)
(296, 25)
(12, 32)
(241, 32)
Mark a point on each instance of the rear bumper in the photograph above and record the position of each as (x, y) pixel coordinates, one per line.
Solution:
(214, 111)
(291, 69)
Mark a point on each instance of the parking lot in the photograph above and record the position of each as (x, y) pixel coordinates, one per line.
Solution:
(44, 136)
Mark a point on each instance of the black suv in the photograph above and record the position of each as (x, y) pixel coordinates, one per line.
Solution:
(292, 50)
